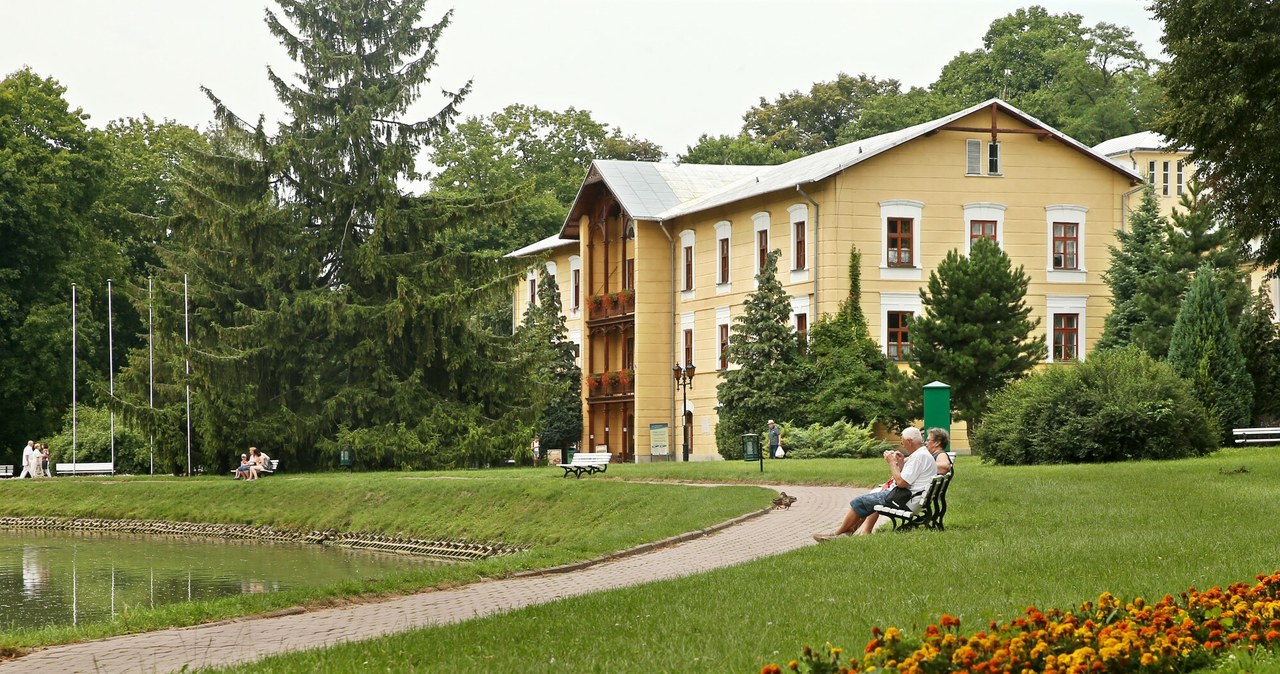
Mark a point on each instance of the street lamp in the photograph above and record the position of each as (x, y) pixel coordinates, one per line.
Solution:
(684, 378)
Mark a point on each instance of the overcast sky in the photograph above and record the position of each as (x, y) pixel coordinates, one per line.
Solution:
(665, 70)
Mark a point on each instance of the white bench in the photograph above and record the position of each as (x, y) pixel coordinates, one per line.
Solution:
(589, 463)
(1256, 436)
(6, 470)
(83, 468)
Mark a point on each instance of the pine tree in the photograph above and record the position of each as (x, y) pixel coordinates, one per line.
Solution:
(1135, 258)
(848, 374)
(766, 383)
(1203, 349)
(1192, 239)
(1260, 347)
(554, 376)
(331, 311)
(976, 334)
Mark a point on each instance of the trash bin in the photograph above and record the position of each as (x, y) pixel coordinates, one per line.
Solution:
(344, 458)
(750, 447)
(568, 455)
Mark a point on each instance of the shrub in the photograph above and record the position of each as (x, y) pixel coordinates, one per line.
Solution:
(1119, 405)
(839, 440)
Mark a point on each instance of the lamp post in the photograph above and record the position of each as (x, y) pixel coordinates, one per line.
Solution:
(684, 379)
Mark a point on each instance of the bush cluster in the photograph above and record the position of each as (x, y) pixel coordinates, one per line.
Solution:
(1119, 405)
(839, 440)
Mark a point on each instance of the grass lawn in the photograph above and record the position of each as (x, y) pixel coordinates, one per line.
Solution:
(1051, 536)
(561, 520)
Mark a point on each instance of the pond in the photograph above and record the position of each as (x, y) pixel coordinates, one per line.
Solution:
(67, 578)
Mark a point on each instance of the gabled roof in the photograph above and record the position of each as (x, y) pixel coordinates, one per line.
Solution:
(656, 191)
(550, 243)
(1142, 141)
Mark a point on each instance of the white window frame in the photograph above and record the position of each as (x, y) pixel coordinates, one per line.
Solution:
(901, 208)
(983, 151)
(528, 289)
(799, 305)
(896, 302)
(800, 213)
(688, 241)
(759, 223)
(575, 264)
(1066, 304)
(723, 319)
(984, 210)
(575, 336)
(1065, 213)
(724, 231)
(686, 323)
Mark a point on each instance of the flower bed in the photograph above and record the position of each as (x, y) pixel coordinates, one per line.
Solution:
(1173, 634)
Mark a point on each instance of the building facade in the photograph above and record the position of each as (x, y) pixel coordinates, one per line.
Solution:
(660, 258)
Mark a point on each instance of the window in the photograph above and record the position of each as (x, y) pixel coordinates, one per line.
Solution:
(1066, 243)
(1179, 177)
(577, 290)
(982, 229)
(762, 248)
(1151, 172)
(898, 343)
(629, 353)
(973, 157)
(799, 243)
(724, 261)
(688, 347)
(899, 249)
(629, 273)
(724, 346)
(993, 159)
(1164, 183)
(1066, 337)
(688, 267)
(533, 291)
(802, 329)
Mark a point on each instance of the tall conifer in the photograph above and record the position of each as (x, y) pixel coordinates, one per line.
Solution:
(554, 376)
(1138, 254)
(1260, 346)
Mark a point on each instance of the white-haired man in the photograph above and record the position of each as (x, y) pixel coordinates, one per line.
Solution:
(911, 469)
(30, 464)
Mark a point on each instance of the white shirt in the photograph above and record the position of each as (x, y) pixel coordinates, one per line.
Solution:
(918, 470)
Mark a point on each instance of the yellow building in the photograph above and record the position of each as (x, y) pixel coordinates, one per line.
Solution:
(663, 256)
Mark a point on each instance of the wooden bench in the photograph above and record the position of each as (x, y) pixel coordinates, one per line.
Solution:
(1256, 436)
(589, 463)
(83, 469)
(6, 470)
(932, 509)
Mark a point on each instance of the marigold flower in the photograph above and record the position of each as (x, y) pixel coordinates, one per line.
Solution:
(948, 620)
(770, 669)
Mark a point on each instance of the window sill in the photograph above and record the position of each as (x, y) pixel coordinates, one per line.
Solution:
(1065, 276)
(724, 288)
(799, 275)
(901, 273)
(686, 295)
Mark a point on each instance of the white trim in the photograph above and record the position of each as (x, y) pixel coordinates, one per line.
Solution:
(575, 264)
(984, 210)
(760, 223)
(1065, 304)
(799, 305)
(575, 336)
(528, 294)
(896, 302)
(724, 230)
(723, 318)
(688, 240)
(800, 213)
(901, 208)
(1065, 213)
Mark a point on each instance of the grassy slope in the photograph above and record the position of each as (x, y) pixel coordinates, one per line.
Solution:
(562, 521)
(1048, 536)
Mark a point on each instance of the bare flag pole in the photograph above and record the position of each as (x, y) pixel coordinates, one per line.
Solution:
(73, 374)
(151, 371)
(111, 375)
(186, 328)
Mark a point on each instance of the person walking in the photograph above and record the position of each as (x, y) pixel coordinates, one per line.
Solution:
(29, 462)
(44, 460)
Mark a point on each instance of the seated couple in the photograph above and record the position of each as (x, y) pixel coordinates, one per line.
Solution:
(911, 471)
(252, 464)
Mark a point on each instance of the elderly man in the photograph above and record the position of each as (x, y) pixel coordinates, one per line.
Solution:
(30, 460)
(775, 439)
(912, 469)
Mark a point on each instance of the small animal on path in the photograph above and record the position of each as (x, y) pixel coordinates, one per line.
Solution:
(783, 502)
(1235, 471)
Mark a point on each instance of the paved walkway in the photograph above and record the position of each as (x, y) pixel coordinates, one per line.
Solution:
(818, 509)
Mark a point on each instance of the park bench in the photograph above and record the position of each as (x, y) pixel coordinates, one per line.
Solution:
(6, 470)
(83, 468)
(1256, 436)
(592, 462)
(932, 509)
(272, 465)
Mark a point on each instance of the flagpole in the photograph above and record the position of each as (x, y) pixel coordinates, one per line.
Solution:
(186, 327)
(151, 372)
(73, 374)
(111, 376)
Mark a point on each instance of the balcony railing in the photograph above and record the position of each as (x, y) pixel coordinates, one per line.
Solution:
(613, 304)
(621, 382)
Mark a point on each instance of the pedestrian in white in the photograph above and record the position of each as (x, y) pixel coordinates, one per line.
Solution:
(30, 467)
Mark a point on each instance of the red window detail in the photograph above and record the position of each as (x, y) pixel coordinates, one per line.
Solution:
(762, 245)
(688, 267)
(629, 273)
(800, 244)
(982, 229)
(724, 347)
(688, 347)
(1066, 245)
(898, 343)
(1066, 337)
(533, 291)
(900, 242)
(577, 289)
(724, 261)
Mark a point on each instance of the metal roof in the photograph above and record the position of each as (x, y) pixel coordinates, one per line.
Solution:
(1142, 141)
(550, 243)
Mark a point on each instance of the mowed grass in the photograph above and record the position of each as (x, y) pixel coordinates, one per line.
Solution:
(1049, 536)
(559, 520)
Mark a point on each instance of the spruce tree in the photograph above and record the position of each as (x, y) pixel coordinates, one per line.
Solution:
(1191, 240)
(1203, 349)
(1260, 346)
(554, 376)
(766, 382)
(1137, 255)
(976, 333)
(848, 374)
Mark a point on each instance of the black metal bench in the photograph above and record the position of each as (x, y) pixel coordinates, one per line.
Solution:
(932, 510)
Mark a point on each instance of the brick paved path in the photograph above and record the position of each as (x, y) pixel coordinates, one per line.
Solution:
(819, 509)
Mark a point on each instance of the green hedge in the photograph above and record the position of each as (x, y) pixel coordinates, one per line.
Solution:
(1118, 405)
(839, 440)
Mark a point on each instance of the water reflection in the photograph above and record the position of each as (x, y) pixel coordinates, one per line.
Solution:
(52, 578)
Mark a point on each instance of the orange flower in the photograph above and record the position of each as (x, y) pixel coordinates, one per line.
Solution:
(948, 621)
